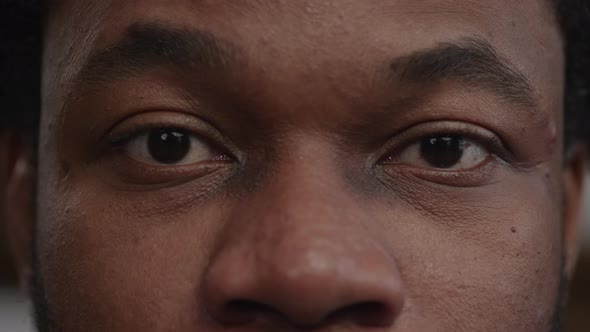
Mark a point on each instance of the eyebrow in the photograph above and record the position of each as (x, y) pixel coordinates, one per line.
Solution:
(146, 45)
(471, 62)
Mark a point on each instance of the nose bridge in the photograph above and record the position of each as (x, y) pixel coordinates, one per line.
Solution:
(304, 217)
(298, 246)
(304, 203)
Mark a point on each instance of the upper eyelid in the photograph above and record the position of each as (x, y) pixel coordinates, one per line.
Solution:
(141, 114)
(485, 142)
(413, 134)
(419, 141)
(139, 132)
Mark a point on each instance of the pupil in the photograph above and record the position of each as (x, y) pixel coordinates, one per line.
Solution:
(168, 146)
(442, 151)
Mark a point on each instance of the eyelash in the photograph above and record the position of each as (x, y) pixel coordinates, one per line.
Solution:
(494, 144)
(117, 141)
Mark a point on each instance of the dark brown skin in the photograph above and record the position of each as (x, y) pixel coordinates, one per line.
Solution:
(311, 210)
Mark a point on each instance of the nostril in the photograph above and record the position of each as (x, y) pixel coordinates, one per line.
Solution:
(303, 286)
(242, 311)
(369, 313)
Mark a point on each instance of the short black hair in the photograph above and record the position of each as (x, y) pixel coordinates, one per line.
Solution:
(20, 63)
(21, 52)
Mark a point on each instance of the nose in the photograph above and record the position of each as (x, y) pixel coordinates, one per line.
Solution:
(304, 258)
(305, 288)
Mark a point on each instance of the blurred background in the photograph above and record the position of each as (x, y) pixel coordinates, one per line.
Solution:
(15, 317)
(578, 314)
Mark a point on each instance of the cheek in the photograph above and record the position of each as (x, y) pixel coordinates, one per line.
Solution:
(122, 261)
(472, 259)
(479, 258)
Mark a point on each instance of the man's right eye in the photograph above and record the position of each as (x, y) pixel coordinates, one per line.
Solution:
(169, 146)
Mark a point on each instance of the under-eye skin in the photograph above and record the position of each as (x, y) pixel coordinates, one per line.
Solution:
(447, 152)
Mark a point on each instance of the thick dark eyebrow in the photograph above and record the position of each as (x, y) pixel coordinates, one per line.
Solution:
(148, 45)
(472, 63)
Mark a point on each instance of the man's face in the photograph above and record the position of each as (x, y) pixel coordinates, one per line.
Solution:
(389, 165)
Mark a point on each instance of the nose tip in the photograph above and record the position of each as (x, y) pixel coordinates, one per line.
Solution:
(311, 291)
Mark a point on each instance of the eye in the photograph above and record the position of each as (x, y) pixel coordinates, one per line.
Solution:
(445, 151)
(168, 146)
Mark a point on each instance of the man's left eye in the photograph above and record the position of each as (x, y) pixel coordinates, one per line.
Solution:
(168, 146)
(444, 152)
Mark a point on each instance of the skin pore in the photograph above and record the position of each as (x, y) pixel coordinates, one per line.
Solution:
(317, 184)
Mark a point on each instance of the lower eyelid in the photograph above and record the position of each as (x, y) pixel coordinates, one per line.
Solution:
(142, 176)
(482, 174)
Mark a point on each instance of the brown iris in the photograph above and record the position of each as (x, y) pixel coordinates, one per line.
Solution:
(442, 151)
(168, 146)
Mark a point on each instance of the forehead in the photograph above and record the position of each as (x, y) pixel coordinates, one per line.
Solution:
(308, 35)
(396, 25)
(312, 22)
